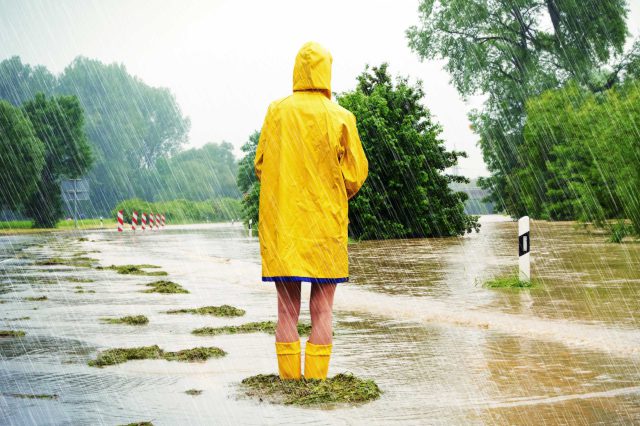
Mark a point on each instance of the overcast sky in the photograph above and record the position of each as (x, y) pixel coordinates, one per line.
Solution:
(226, 60)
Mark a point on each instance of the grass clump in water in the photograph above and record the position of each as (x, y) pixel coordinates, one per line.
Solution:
(130, 320)
(512, 281)
(79, 280)
(121, 355)
(36, 298)
(139, 424)
(135, 269)
(217, 311)
(83, 262)
(34, 396)
(342, 388)
(195, 354)
(251, 327)
(193, 392)
(12, 333)
(165, 287)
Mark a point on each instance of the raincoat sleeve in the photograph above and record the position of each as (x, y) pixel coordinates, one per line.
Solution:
(257, 162)
(353, 161)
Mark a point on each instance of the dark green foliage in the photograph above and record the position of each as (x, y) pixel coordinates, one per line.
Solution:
(59, 123)
(251, 327)
(217, 311)
(193, 392)
(165, 287)
(513, 50)
(583, 156)
(121, 355)
(340, 389)
(407, 192)
(21, 156)
(139, 424)
(248, 182)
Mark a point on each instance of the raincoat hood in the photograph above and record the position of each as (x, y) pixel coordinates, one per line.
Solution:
(312, 70)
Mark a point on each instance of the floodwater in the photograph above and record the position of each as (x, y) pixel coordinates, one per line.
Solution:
(414, 317)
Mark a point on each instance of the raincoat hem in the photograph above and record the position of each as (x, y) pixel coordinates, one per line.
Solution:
(307, 279)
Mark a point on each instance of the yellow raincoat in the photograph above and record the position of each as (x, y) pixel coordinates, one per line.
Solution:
(310, 161)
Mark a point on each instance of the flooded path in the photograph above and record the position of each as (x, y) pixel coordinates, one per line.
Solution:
(414, 318)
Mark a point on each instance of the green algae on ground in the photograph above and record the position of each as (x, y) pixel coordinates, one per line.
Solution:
(33, 396)
(342, 388)
(121, 355)
(134, 269)
(17, 319)
(139, 424)
(12, 333)
(251, 327)
(195, 354)
(131, 320)
(217, 311)
(511, 281)
(79, 280)
(165, 287)
(193, 392)
(83, 262)
(36, 298)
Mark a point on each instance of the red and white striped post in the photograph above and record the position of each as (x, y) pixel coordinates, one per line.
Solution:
(157, 221)
(134, 220)
(151, 221)
(163, 220)
(120, 221)
(144, 220)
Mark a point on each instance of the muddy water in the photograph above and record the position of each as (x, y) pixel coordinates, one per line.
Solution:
(414, 317)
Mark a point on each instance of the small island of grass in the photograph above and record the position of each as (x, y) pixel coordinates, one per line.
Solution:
(217, 311)
(130, 320)
(304, 329)
(165, 287)
(340, 389)
(121, 355)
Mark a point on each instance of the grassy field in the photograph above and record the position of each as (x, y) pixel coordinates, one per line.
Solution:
(26, 226)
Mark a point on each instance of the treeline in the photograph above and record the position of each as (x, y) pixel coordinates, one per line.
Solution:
(536, 60)
(136, 134)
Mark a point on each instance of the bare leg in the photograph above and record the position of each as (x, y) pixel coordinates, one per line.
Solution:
(321, 307)
(288, 311)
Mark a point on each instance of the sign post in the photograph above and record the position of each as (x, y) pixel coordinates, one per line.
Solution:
(524, 247)
(74, 190)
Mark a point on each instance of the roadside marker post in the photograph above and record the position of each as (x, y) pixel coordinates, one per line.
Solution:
(120, 221)
(163, 220)
(151, 221)
(157, 221)
(134, 220)
(524, 247)
(144, 220)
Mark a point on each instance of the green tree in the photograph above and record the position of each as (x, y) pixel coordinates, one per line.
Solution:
(21, 82)
(407, 192)
(59, 123)
(582, 151)
(130, 126)
(248, 183)
(21, 157)
(196, 174)
(507, 51)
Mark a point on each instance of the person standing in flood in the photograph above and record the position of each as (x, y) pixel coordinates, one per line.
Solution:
(310, 162)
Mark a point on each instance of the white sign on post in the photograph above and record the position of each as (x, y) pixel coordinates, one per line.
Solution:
(524, 247)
